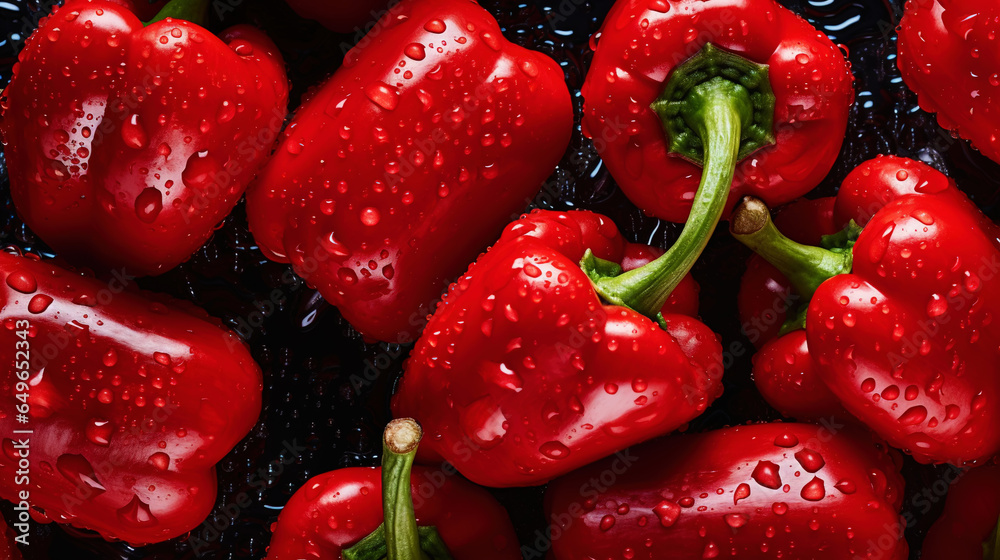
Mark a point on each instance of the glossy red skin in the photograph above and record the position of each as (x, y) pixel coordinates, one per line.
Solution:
(585, 379)
(335, 510)
(947, 54)
(340, 16)
(640, 45)
(693, 480)
(915, 359)
(8, 549)
(783, 369)
(144, 394)
(87, 181)
(308, 207)
(969, 518)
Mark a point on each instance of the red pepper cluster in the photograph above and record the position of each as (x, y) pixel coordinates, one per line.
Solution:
(131, 131)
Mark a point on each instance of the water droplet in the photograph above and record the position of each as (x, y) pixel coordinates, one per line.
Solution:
(766, 474)
(846, 486)
(370, 216)
(98, 432)
(160, 460)
(607, 522)
(878, 247)
(810, 460)
(81, 473)
(742, 492)
(736, 520)
(133, 134)
(136, 512)
(200, 170)
(435, 26)
(415, 51)
(484, 423)
(667, 512)
(937, 306)
(814, 490)
(913, 416)
(22, 281)
(148, 204)
(39, 303)
(383, 95)
(554, 450)
(786, 440)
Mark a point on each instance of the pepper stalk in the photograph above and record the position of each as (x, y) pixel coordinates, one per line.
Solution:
(399, 537)
(717, 109)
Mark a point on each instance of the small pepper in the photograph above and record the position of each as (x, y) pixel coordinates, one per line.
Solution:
(522, 374)
(749, 492)
(693, 104)
(948, 56)
(131, 398)
(401, 168)
(782, 369)
(899, 323)
(967, 529)
(128, 144)
(374, 513)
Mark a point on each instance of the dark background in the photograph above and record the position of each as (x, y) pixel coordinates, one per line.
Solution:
(308, 353)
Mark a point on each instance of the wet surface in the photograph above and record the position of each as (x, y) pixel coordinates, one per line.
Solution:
(327, 390)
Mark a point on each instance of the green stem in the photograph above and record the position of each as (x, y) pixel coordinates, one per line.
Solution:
(806, 267)
(195, 11)
(399, 537)
(399, 449)
(717, 111)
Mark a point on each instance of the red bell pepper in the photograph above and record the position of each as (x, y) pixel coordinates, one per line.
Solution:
(759, 491)
(408, 162)
(523, 375)
(967, 530)
(131, 400)
(127, 145)
(898, 322)
(947, 55)
(431, 515)
(340, 16)
(782, 369)
(744, 89)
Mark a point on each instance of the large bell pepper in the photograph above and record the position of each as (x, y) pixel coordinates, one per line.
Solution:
(128, 144)
(130, 400)
(523, 374)
(900, 324)
(409, 161)
(693, 104)
(374, 513)
(749, 492)
(948, 56)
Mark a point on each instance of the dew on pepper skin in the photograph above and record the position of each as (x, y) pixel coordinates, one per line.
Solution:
(98, 431)
(136, 512)
(39, 303)
(814, 490)
(667, 512)
(22, 281)
(810, 460)
(554, 450)
(78, 470)
(767, 475)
